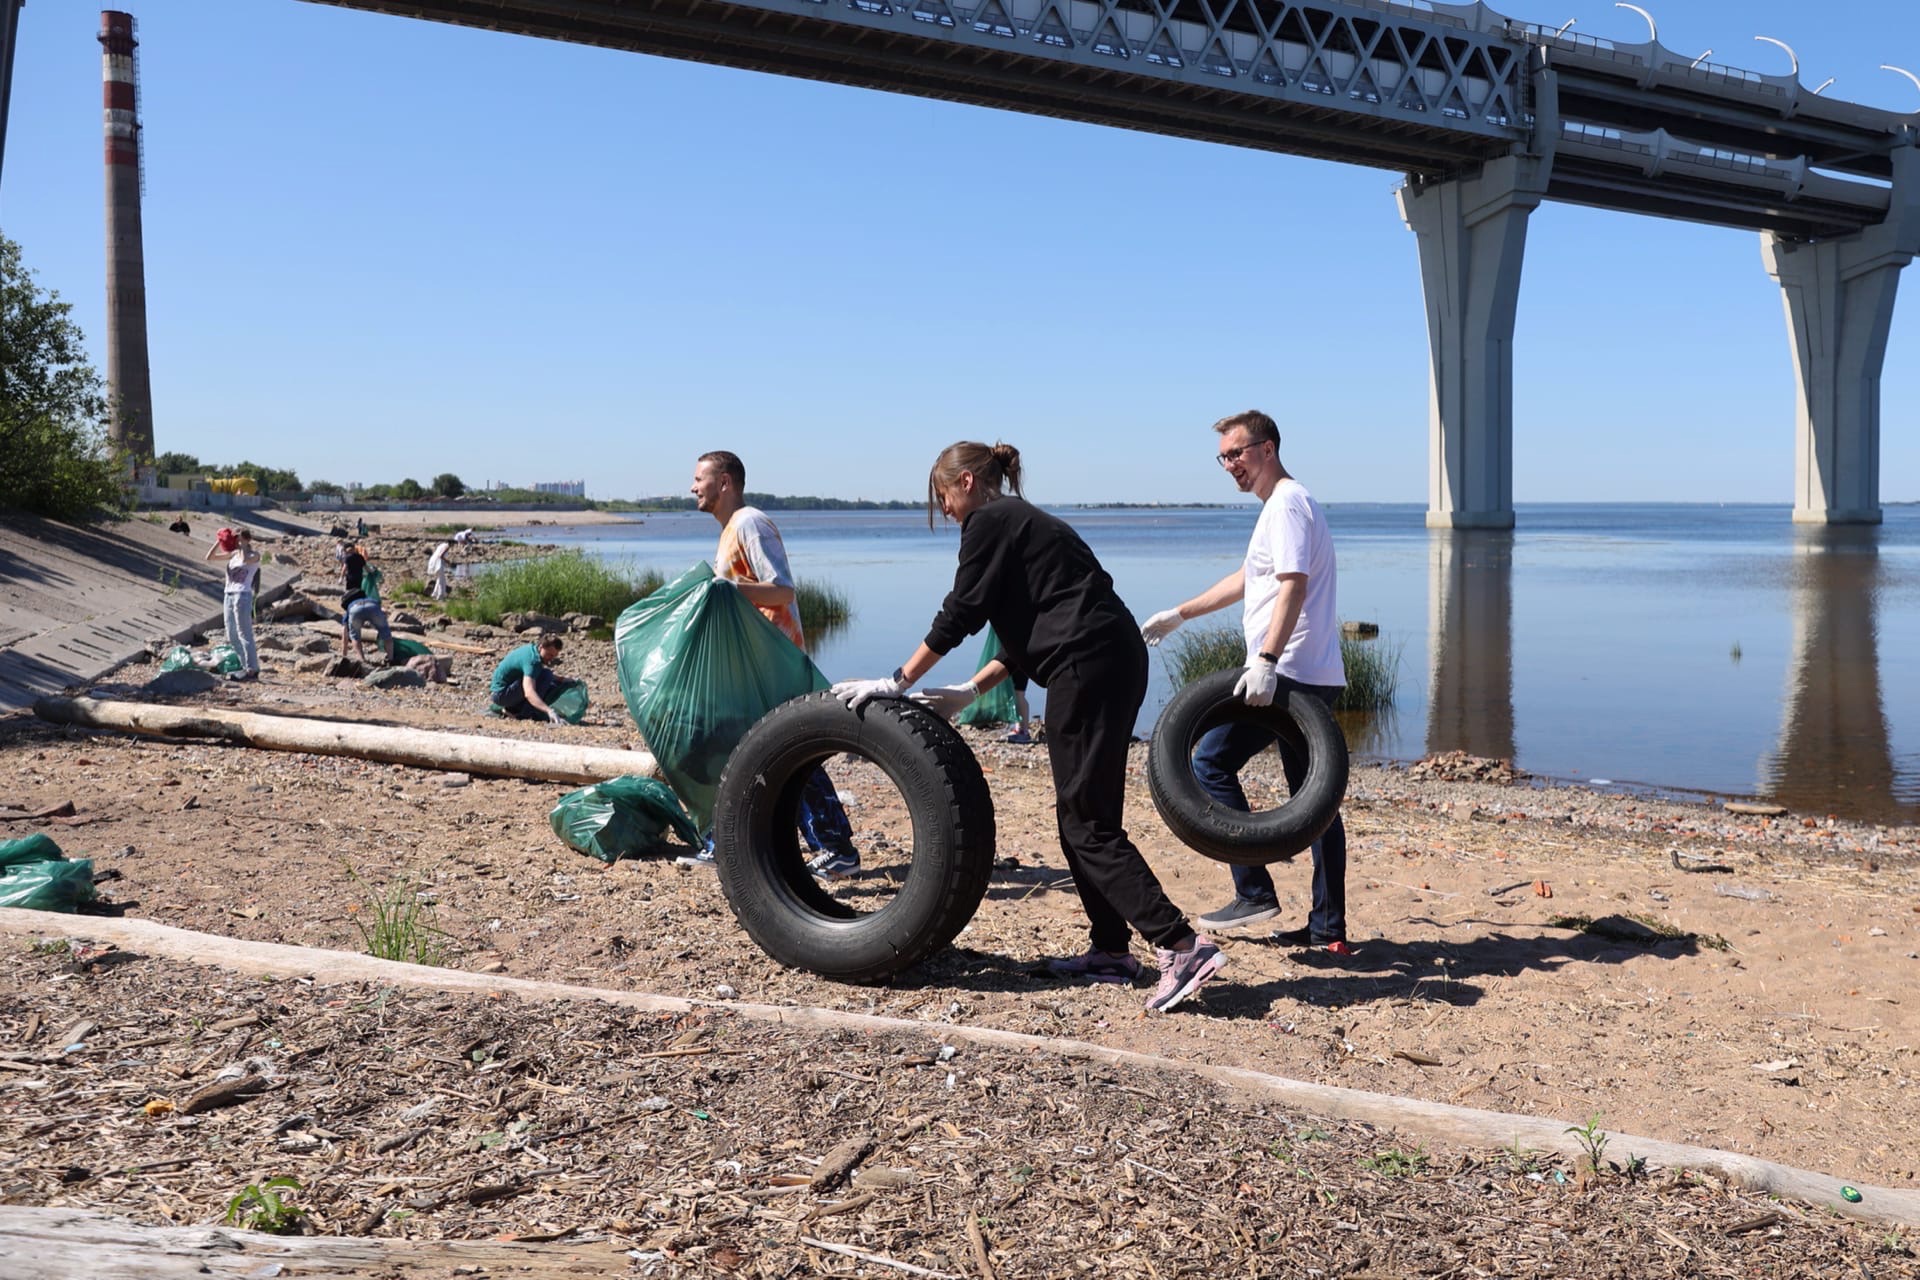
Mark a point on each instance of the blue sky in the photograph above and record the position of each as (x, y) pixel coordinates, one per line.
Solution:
(380, 247)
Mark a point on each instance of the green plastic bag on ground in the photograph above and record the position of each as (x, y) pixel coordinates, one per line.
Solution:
(404, 648)
(698, 665)
(178, 658)
(571, 702)
(34, 874)
(996, 705)
(621, 818)
(226, 659)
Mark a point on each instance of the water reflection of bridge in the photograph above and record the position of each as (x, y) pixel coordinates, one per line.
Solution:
(1834, 751)
(1470, 617)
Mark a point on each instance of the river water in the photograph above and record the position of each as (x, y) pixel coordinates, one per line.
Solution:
(1712, 649)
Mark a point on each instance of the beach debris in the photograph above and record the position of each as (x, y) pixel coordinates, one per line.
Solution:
(1458, 766)
(1753, 809)
(1696, 862)
(839, 1162)
(1746, 892)
(1541, 889)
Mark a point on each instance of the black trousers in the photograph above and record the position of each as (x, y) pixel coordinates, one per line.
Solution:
(1091, 707)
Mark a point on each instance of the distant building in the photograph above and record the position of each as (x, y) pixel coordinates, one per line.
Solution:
(564, 488)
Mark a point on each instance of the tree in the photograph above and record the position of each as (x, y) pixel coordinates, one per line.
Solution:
(55, 458)
(449, 485)
(409, 489)
(176, 464)
(326, 489)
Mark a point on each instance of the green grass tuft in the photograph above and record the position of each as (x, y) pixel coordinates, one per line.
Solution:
(395, 924)
(567, 582)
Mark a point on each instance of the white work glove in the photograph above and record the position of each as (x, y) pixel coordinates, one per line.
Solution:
(554, 717)
(1257, 683)
(857, 693)
(947, 701)
(1161, 625)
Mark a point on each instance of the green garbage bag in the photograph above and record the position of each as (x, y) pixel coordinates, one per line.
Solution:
(996, 705)
(571, 702)
(34, 874)
(698, 665)
(621, 818)
(178, 658)
(225, 659)
(404, 648)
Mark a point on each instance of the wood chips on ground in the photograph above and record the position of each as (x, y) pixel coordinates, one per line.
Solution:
(705, 1144)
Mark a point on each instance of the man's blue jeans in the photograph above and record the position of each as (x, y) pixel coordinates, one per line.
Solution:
(1217, 762)
(823, 820)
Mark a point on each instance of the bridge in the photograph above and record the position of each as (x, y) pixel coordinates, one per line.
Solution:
(1486, 116)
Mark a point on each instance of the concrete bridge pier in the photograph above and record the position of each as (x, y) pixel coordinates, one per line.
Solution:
(1839, 301)
(1473, 234)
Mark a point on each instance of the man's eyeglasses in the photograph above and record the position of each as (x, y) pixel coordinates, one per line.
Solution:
(1230, 456)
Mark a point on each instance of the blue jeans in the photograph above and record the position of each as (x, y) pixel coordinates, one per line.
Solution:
(1217, 762)
(823, 820)
(513, 698)
(363, 611)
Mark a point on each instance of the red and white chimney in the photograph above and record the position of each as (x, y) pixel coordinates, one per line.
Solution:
(128, 381)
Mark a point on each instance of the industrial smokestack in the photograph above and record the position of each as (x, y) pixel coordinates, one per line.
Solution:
(127, 376)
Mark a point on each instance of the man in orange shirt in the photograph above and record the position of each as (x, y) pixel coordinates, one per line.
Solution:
(752, 556)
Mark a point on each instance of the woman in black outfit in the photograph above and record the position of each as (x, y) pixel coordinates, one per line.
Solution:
(1059, 620)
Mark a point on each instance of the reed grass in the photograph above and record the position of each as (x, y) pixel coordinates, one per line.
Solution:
(824, 608)
(1373, 667)
(556, 585)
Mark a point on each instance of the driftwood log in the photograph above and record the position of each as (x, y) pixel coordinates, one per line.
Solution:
(388, 744)
(64, 1244)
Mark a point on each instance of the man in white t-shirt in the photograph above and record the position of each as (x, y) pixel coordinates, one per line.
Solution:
(1286, 590)
(753, 557)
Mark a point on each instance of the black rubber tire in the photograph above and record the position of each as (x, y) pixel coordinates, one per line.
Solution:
(1205, 825)
(763, 869)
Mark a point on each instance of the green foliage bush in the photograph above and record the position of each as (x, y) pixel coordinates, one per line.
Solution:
(54, 454)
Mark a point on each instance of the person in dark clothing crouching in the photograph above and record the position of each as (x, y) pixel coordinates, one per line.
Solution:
(522, 684)
(1060, 621)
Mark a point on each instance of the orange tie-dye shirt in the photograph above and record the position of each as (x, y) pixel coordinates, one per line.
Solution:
(751, 551)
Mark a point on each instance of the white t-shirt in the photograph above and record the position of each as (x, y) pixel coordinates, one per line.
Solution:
(438, 560)
(1291, 537)
(241, 574)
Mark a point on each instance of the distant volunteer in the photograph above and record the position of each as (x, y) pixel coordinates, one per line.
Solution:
(524, 685)
(1286, 589)
(360, 599)
(236, 602)
(752, 556)
(1059, 619)
(439, 564)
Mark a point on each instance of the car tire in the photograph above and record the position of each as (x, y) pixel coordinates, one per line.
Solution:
(1229, 835)
(762, 866)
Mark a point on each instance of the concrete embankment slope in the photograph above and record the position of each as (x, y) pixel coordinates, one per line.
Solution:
(76, 601)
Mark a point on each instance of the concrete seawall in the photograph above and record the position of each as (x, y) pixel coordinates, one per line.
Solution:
(76, 601)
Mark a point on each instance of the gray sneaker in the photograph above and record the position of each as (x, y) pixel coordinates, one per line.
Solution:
(702, 859)
(829, 865)
(1241, 913)
(1183, 972)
